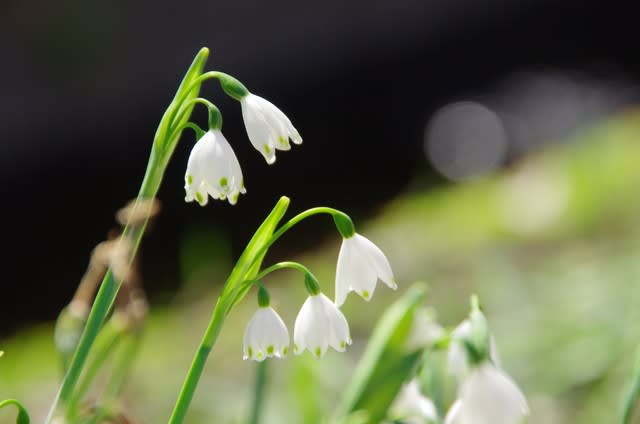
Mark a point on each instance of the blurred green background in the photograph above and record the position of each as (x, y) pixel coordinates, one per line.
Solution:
(551, 244)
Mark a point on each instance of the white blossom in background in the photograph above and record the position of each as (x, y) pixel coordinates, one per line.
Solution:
(267, 126)
(360, 264)
(213, 170)
(488, 396)
(425, 330)
(266, 336)
(413, 407)
(458, 364)
(320, 324)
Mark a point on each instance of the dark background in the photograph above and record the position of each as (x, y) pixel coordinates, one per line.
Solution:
(84, 85)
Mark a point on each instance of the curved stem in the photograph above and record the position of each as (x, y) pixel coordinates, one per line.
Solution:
(185, 108)
(195, 83)
(243, 288)
(283, 265)
(301, 216)
(199, 132)
(293, 221)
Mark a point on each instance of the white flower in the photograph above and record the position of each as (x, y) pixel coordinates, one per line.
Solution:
(267, 127)
(412, 406)
(425, 330)
(489, 396)
(266, 336)
(360, 264)
(320, 324)
(457, 354)
(213, 170)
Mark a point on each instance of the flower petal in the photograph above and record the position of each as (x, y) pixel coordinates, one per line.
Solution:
(489, 395)
(266, 336)
(377, 259)
(320, 324)
(212, 170)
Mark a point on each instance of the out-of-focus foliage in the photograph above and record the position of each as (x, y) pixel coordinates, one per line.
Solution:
(551, 245)
(386, 364)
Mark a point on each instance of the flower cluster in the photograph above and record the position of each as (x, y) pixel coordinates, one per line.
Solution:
(320, 324)
(213, 168)
(486, 394)
(213, 171)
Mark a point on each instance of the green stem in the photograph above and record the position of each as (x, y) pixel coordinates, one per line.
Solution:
(185, 109)
(194, 83)
(258, 392)
(283, 229)
(163, 147)
(631, 398)
(197, 365)
(243, 288)
(234, 289)
(108, 288)
(126, 355)
(106, 342)
(300, 217)
(283, 265)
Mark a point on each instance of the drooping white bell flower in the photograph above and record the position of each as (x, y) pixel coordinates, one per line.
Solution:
(412, 406)
(266, 336)
(213, 170)
(320, 324)
(458, 363)
(360, 264)
(267, 126)
(488, 396)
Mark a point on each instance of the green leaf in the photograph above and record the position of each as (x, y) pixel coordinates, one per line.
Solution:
(385, 364)
(250, 261)
(23, 416)
(186, 91)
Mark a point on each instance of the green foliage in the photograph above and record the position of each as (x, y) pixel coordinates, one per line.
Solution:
(248, 265)
(23, 416)
(180, 107)
(386, 364)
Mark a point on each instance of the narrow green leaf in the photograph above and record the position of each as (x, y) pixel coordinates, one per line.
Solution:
(249, 263)
(385, 364)
(186, 91)
(23, 415)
